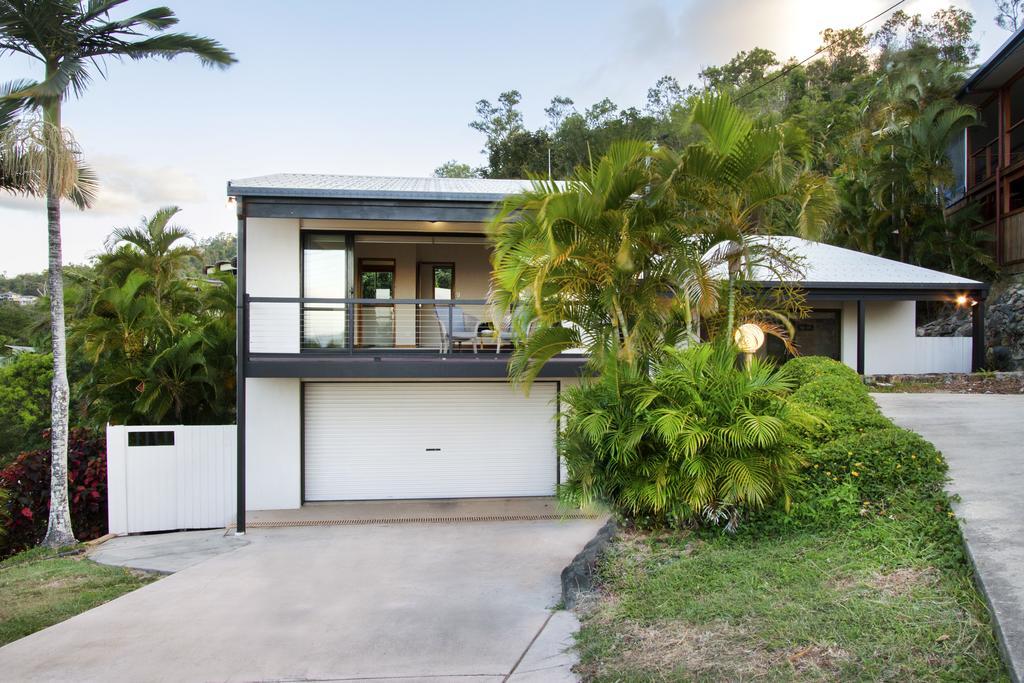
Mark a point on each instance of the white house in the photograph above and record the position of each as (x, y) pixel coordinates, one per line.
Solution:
(20, 299)
(366, 370)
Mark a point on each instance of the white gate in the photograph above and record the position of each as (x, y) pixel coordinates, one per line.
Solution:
(174, 477)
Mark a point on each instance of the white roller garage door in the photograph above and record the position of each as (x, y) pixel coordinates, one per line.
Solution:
(374, 440)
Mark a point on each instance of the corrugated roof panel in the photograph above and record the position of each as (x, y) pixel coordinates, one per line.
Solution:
(826, 264)
(375, 187)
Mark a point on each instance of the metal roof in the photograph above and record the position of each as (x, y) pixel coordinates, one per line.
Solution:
(996, 70)
(827, 266)
(314, 185)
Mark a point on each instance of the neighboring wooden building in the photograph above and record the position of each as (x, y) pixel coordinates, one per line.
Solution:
(988, 162)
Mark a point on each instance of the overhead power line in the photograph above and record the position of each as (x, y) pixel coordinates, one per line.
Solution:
(817, 52)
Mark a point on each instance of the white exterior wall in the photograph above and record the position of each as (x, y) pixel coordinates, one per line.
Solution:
(891, 344)
(272, 270)
(273, 433)
(890, 337)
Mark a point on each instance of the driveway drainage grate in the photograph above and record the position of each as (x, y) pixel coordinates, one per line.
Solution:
(415, 520)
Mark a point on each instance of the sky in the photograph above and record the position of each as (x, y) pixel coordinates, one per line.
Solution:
(380, 88)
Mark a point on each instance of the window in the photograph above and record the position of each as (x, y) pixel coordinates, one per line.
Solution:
(151, 438)
(1015, 124)
(983, 139)
(324, 276)
(1015, 194)
(957, 153)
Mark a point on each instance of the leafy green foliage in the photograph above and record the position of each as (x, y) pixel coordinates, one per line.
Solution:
(220, 247)
(861, 464)
(805, 369)
(27, 481)
(627, 256)
(588, 265)
(701, 440)
(864, 578)
(17, 324)
(845, 406)
(159, 343)
(878, 466)
(874, 112)
(24, 403)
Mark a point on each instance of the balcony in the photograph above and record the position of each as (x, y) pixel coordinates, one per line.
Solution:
(318, 337)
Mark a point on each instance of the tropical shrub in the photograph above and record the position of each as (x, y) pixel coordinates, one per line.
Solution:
(845, 406)
(701, 440)
(160, 345)
(27, 482)
(24, 403)
(805, 369)
(878, 465)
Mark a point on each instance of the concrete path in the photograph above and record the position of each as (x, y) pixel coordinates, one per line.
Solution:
(437, 602)
(166, 553)
(982, 437)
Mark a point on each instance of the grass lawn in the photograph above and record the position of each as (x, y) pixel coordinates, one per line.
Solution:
(887, 598)
(38, 589)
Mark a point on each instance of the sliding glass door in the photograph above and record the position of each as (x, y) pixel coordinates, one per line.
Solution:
(376, 322)
(325, 275)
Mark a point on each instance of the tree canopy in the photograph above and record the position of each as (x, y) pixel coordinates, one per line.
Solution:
(875, 112)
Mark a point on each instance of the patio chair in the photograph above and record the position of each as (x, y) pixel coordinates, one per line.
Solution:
(504, 334)
(462, 330)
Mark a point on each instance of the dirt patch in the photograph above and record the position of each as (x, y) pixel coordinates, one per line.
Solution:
(717, 651)
(823, 659)
(981, 383)
(898, 583)
(903, 581)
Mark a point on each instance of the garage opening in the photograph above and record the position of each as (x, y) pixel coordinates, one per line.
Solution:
(405, 440)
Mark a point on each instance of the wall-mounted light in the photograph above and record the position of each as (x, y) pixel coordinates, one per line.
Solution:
(964, 301)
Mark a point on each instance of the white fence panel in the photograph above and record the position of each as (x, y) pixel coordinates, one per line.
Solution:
(942, 354)
(173, 477)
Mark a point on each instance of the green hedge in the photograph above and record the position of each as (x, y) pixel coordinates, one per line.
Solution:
(878, 465)
(862, 464)
(806, 369)
(844, 405)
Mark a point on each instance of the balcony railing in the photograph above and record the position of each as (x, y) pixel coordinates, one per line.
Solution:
(358, 326)
(982, 163)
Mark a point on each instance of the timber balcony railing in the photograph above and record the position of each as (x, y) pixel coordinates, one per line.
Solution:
(278, 326)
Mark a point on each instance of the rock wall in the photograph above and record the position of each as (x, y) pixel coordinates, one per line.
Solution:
(1004, 328)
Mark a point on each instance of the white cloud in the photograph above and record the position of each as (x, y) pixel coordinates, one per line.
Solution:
(128, 186)
(652, 39)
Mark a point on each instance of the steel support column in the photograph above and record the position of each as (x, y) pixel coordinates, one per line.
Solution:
(241, 348)
(860, 336)
(978, 333)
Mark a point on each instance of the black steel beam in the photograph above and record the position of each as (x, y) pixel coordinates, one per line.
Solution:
(241, 349)
(392, 366)
(860, 336)
(978, 360)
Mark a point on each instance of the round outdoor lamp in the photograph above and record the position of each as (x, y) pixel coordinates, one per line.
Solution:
(749, 338)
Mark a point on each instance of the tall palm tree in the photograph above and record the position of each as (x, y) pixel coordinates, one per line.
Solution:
(590, 263)
(72, 39)
(740, 181)
(155, 247)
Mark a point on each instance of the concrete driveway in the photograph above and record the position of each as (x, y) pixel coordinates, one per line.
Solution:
(464, 601)
(982, 437)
